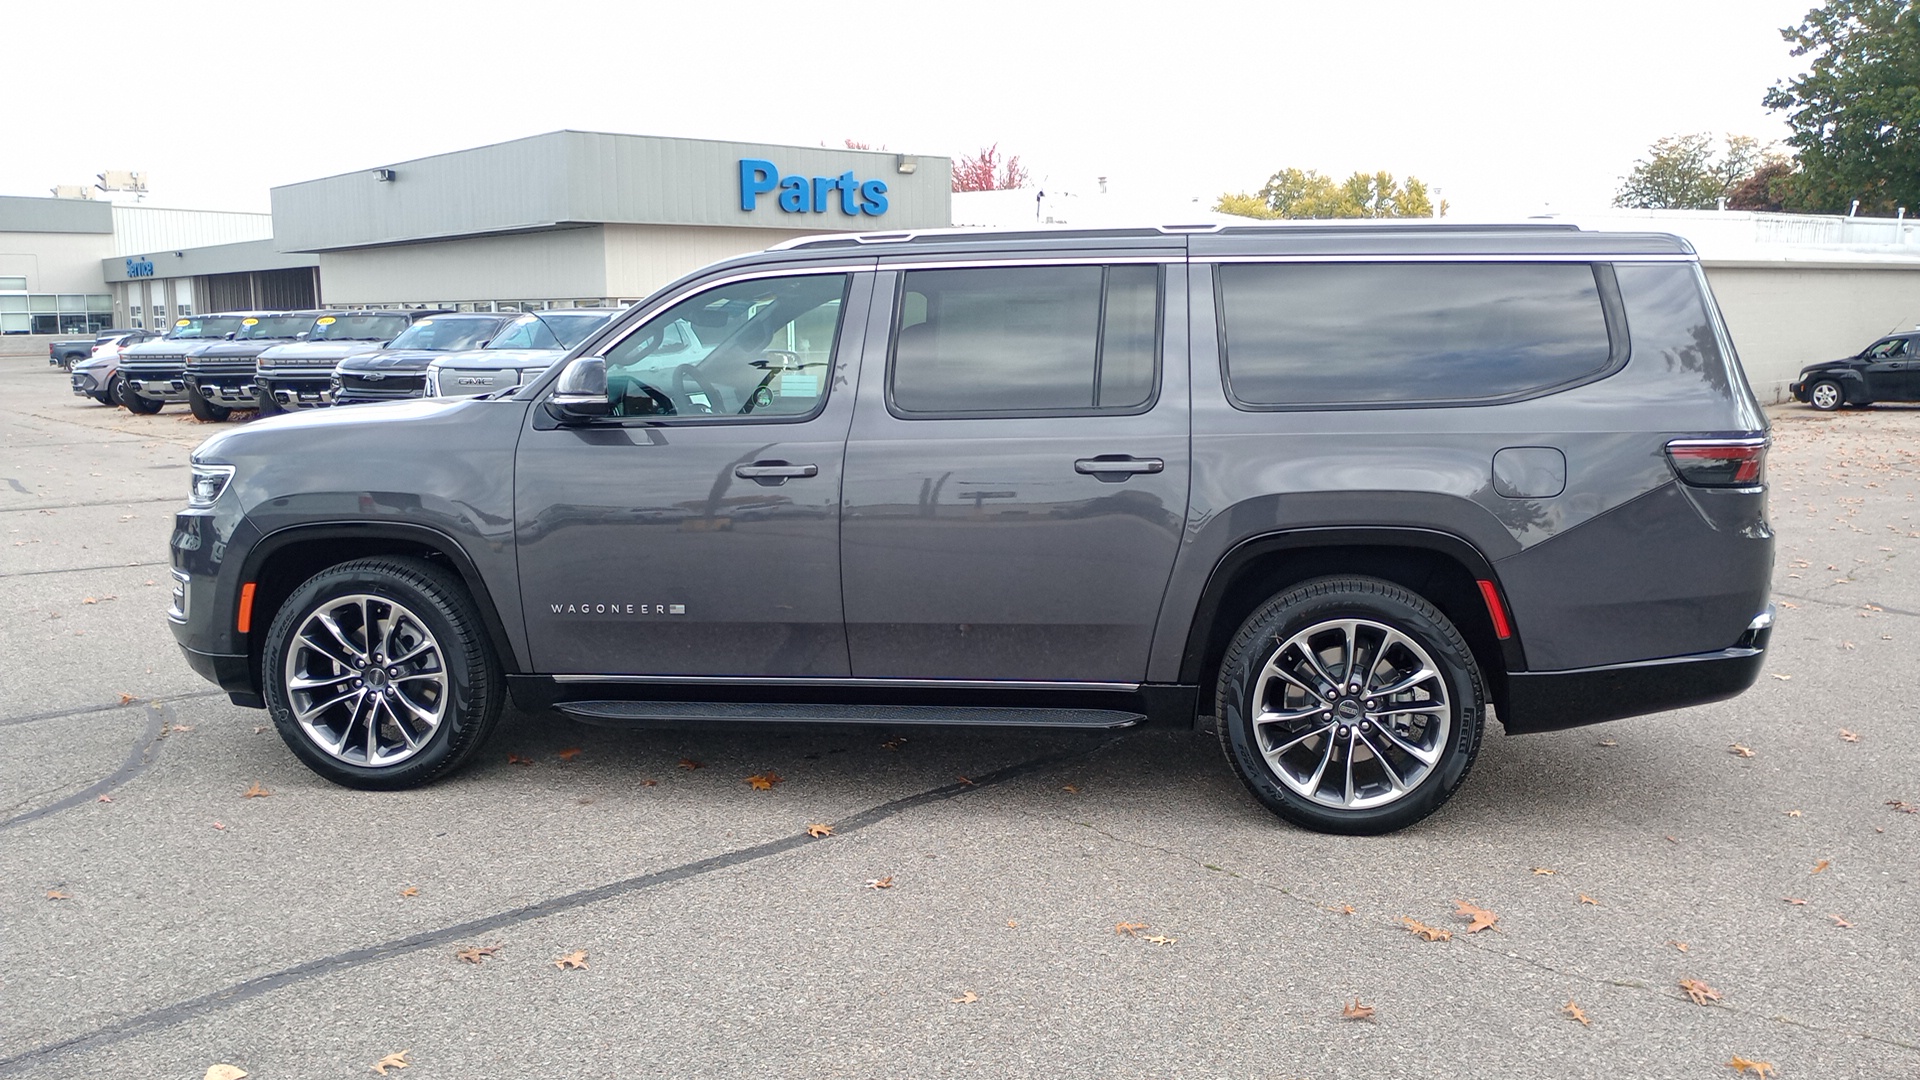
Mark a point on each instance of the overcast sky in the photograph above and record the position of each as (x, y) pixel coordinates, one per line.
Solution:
(1507, 107)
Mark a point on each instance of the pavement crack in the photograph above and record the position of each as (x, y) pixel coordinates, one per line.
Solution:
(1857, 605)
(180, 1012)
(145, 751)
(85, 569)
(84, 710)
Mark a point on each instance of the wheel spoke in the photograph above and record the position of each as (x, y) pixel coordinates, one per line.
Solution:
(309, 683)
(1288, 716)
(1407, 683)
(313, 710)
(1312, 784)
(1347, 799)
(1291, 743)
(426, 645)
(1423, 756)
(373, 729)
(1313, 660)
(1410, 707)
(1393, 775)
(326, 650)
(326, 619)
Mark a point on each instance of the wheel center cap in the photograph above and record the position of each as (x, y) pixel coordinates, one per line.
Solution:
(376, 678)
(1348, 709)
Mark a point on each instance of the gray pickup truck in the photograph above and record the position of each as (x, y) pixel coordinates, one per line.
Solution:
(1334, 492)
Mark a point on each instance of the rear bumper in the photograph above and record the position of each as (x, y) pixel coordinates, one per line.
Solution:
(1552, 700)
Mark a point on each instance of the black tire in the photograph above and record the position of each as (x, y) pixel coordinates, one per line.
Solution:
(104, 397)
(448, 670)
(204, 409)
(133, 402)
(266, 404)
(1385, 783)
(1826, 395)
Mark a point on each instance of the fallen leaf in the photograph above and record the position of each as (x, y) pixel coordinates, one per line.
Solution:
(569, 753)
(881, 882)
(221, 825)
(1609, 742)
(1698, 992)
(1070, 789)
(1482, 919)
(519, 759)
(127, 699)
(1848, 736)
(1840, 922)
(1571, 1008)
(1159, 939)
(1762, 1069)
(1793, 813)
(1777, 675)
(1681, 945)
(689, 764)
(1346, 909)
(392, 1061)
(56, 894)
(966, 782)
(817, 829)
(1012, 924)
(1795, 901)
(1422, 930)
(1128, 929)
(104, 798)
(894, 743)
(649, 783)
(1670, 840)
(1585, 899)
(259, 729)
(1901, 807)
(573, 960)
(1739, 751)
(89, 600)
(1544, 871)
(474, 954)
(255, 791)
(411, 890)
(1788, 604)
(225, 1072)
(764, 781)
(967, 998)
(181, 727)
(1356, 1011)
(1819, 866)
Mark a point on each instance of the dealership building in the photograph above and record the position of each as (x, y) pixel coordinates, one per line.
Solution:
(574, 218)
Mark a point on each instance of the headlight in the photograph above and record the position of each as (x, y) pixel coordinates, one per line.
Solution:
(208, 482)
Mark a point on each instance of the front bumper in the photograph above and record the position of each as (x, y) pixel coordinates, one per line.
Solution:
(84, 385)
(230, 388)
(351, 389)
(1552, 700)
(157, 384)
(295, 391)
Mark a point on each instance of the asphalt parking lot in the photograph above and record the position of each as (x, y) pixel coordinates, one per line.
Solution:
(156, 919)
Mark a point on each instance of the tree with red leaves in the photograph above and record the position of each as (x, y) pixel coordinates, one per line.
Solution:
(988, 171)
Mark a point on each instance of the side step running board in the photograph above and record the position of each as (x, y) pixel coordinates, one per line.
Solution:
(622, 712)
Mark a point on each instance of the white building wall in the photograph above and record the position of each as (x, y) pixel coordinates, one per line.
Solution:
(1784, 316)
(641, 258)
(56, 262)
(146, 230)
(551, 264)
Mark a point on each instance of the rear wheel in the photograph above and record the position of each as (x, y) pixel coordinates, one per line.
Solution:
(134, 403)
(378, 673)
(204, 409)
(1826, 395)
(1350, 705)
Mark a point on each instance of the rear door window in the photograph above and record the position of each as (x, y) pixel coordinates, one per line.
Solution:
(1383, 334)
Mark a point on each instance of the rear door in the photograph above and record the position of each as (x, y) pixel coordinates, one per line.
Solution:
(1016, 476)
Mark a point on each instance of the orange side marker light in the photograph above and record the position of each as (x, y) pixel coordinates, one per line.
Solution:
(245, 621)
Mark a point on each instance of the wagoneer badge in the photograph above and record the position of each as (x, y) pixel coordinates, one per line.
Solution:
(619, 609)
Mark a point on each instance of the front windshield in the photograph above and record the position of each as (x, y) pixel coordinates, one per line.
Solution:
(205, 326)
(358, 327)
(443, 334)
(273, 326)
(550, 330)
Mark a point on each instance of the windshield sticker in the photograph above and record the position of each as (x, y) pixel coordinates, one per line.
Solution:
(181, 322)
(249, 322)
(424, 322)
(324, 320)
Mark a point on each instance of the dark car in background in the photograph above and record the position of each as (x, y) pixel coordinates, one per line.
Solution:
(93, 376)
(1887, 370)
(400, 370)
(154, 373)
(300, 375)
(220, 376)
(524, 349)
(74, 350)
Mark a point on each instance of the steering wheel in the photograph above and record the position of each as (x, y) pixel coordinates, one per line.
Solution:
(687, 373)
(663, 404)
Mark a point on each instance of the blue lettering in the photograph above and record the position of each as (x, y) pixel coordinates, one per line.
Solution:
(875, 194)
(849, 194)
(793, 194)
(757, 177)
(822, 187)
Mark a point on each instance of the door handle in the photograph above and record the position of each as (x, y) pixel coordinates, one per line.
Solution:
(1113, 468)
(774, 472)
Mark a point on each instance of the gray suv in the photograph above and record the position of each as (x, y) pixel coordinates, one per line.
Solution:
(1338, 493)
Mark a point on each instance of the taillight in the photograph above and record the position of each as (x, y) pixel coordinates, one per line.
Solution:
(1720, 463)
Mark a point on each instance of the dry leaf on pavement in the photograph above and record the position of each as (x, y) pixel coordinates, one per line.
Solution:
(1422, 930)
(818, 829)
(1482, 919)
(1902, 807)
(519, 759)
(1128, 929)
(689, 764)
(56, 894)
(576, 959)
(255, 791)
(1160, 939)
(411, 890)
(1821, 865)
(127, 699)
(967, 998)
(1681, 945)
(1698, 992)
(1849, 736)
(1585, 899)
(225, 1072)
(1573, 1009)
(1356, 1011)
(476, 953)
(764, 781)
(392, 1061)
(1840, 922)
(1762, 1069)
(569, 753)
(1544, 871)
(1795, 901)
(1739, 751)
(881, 882)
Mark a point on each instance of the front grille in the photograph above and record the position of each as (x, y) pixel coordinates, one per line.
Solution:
(390, 386)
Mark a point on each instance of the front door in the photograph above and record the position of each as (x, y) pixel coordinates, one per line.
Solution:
(695, 531)
(1016, 478)
(1887, 370)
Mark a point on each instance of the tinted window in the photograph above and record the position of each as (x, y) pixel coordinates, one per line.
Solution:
(445, 334)
(762, 348)
(1038, 339)
(1385, 333)
(274, 326)
(358, 327)
(206, 326)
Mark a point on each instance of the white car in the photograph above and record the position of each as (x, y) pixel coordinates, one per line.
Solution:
(527, 347)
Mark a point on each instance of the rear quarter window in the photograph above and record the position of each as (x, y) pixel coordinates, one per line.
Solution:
(1397, 334)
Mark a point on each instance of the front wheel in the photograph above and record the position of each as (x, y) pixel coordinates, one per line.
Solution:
(1350, 705)
(1826, 395)
(379, 675)
(133, 402)
(204, 409)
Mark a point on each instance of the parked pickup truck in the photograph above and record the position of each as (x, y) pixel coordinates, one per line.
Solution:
(300, 375)
(527, 347)
(154, 373)
(221, 375)
(68, 353)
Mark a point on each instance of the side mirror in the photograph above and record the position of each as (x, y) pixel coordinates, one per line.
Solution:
(302, 335)
(580, 394)
(230, 334)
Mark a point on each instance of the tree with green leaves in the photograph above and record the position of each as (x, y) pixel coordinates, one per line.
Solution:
(1855, 114)
(1687, 172)
(1304, 193)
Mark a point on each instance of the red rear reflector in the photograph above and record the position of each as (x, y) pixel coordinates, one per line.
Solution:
(1496, 611)
(1719, 462)
(245, 622)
